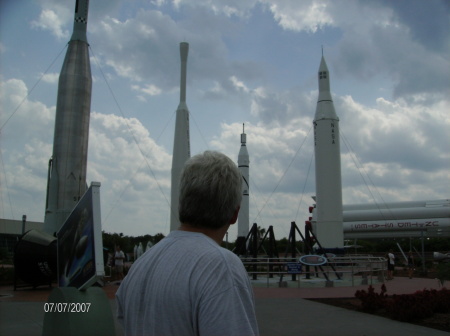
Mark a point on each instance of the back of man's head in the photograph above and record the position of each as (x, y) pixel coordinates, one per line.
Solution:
(210, 190)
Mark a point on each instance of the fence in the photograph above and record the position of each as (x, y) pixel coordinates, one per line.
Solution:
(349, 269)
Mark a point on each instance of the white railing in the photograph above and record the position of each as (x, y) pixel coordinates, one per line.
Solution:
(359, 269)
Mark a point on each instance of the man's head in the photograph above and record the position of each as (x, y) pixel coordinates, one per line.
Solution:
(210, 191)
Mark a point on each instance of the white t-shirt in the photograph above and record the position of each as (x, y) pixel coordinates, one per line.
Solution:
(391, 258)
(118, 258)
(187, 285)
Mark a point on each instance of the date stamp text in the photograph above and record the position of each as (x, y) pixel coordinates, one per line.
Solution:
(67, 307)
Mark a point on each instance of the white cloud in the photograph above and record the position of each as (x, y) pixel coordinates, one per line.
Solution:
(50, 20)
(18, 110)
(25, 150)
(390, 39)
(158, 3)
(397, 151)
(400, 139)
(304, 15)
(137, 48)
(148, 89)
(228, 8)
(397, 131)
(283, 107)
(134, 187)
(51, 78)
(238, 84)
(279, 160)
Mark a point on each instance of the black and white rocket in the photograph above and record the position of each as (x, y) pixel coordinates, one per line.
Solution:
(244, 167)
(181, 144)
(67, 168)
(328, 221)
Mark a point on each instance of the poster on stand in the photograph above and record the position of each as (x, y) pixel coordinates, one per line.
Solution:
(80, 245)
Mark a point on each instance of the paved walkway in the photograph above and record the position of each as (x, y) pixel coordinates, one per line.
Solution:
(280, 311)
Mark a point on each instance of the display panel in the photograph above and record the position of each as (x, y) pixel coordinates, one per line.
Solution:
(80, 246)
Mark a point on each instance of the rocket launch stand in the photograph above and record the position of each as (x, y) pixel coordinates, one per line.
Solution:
(308, 242)
(250, 246)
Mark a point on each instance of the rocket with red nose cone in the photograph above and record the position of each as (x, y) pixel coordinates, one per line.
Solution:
(181, 144)
(328, 223)
(67, 168)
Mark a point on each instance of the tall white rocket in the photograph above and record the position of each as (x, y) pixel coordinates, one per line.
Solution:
(181, 144)
(328, 226)
(67, 167)
(244, 167)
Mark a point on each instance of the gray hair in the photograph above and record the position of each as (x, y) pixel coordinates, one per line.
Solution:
(210, 190)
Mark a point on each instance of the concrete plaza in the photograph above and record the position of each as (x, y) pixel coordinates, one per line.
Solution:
(280, 311)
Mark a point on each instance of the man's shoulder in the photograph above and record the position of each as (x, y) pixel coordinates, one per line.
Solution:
(204, 246)
(227, 259)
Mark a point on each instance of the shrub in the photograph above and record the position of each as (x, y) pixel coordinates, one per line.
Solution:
(421, 304)
(442, 299)
(370, 300)
(408, 308)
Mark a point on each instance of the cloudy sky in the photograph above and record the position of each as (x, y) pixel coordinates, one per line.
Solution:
(250, 61)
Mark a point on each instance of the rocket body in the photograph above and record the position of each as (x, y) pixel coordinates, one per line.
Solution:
(328, 224)
(244, 167)
(181, 144)
(67, 168)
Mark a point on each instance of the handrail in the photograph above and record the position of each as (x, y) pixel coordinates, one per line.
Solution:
(367, 266)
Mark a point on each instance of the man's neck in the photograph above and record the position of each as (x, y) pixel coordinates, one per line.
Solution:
(215, 234)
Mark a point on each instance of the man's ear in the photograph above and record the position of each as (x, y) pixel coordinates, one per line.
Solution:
(235, 215)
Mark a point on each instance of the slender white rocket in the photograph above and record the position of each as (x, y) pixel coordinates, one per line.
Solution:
(67, 168)
(328, 224)
(244, 167)
(181, 144)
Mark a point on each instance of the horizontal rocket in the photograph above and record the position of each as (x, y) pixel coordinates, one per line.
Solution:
(396, 219)
(398, 205)
(67, 167)
(395, 213)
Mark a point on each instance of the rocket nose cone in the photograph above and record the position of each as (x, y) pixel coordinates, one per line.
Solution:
(323, 65)
(184, 49)
(80, 20)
